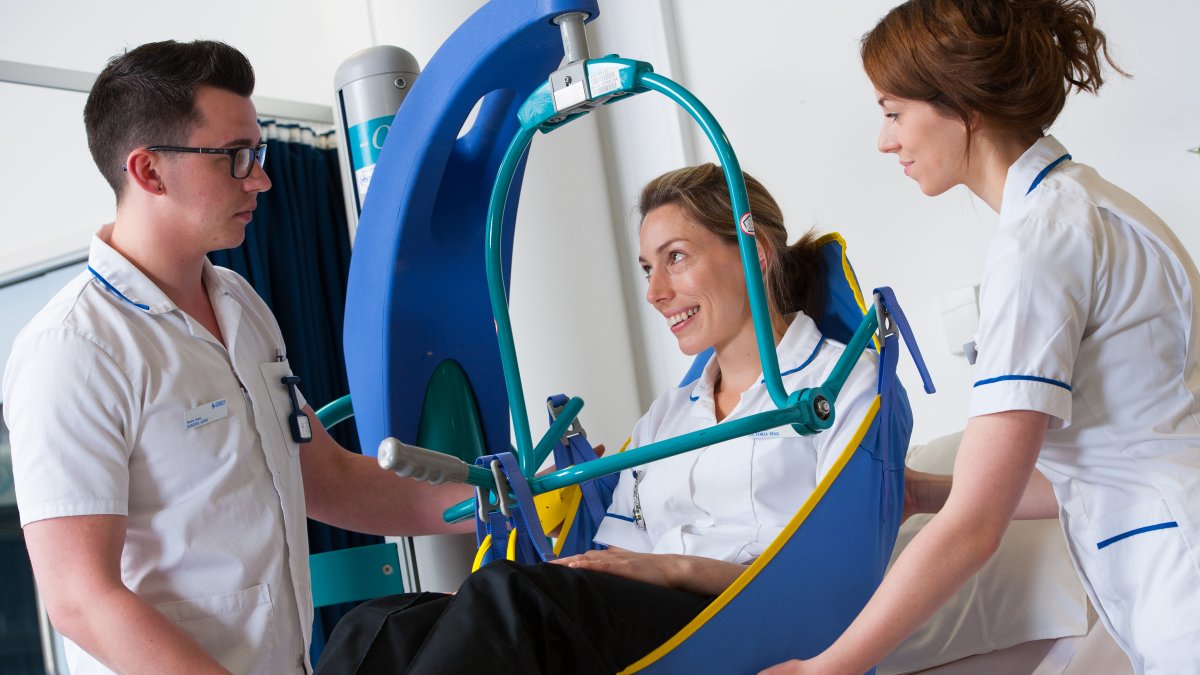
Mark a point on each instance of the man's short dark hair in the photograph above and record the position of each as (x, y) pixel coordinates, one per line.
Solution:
(147, 96)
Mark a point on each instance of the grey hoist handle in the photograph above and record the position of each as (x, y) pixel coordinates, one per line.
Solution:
(410, 461)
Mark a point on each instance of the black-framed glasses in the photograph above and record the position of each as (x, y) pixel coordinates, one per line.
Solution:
(241, 160)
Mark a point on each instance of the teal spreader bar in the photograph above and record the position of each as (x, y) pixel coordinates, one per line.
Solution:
(800, 414)
(648, 453)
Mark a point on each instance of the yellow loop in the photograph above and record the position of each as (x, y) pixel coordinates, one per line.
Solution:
(511, 553)
(487, 541)
(555, 509)
(512, 545)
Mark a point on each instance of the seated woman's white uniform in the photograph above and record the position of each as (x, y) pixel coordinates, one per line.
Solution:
(681, 529)
(729, 501)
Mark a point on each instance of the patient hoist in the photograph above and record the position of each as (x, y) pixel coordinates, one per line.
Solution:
(426, 383)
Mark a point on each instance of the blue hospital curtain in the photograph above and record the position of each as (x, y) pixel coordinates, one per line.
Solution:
(297, 256)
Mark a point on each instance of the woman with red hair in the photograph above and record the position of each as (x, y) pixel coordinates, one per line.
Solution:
(1088, 344)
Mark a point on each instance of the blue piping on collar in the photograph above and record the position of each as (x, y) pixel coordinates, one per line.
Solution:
(1048, 169)
(813, 355)
(800, 367)
(114, 290)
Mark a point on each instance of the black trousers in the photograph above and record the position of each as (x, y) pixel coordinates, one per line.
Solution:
(510, 618)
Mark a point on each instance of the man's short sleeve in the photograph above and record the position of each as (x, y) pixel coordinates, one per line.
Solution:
(1034, 307)
(70, 410)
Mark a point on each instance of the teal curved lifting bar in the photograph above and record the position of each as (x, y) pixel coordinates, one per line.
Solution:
(743, 224)
(808, 410)
(335, 412)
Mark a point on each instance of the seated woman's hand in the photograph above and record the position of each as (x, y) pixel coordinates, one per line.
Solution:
(694, 574)
(647, 567)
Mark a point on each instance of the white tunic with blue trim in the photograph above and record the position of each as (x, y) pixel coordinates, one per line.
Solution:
(730, 500)
(121, 404)
(1089, 313)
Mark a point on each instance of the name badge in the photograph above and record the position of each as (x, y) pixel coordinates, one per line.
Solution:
(203, 414)
(785, 431)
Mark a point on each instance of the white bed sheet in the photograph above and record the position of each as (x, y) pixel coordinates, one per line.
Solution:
(1027, 593)
(1094, 653)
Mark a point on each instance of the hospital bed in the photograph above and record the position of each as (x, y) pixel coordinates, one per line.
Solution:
(1024, 612)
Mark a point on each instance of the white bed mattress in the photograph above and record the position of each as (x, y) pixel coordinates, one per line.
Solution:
(1024, 612)
(1094, 653)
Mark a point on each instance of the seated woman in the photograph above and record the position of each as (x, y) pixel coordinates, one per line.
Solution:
(680, 530)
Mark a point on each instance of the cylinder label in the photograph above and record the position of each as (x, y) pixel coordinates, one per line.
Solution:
(366, 141)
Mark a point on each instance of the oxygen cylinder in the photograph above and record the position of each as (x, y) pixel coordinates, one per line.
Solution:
(371, 84)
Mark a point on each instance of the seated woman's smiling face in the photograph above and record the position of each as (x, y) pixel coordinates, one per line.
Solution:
(695, 280)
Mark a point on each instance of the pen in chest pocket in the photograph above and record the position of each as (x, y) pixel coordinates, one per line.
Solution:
(298, 422)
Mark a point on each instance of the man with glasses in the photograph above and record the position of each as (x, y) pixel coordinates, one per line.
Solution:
(162, 465)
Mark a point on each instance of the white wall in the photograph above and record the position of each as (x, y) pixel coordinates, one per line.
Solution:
(53, 195)
(785, 82)
(42, 131)
(295, 46)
